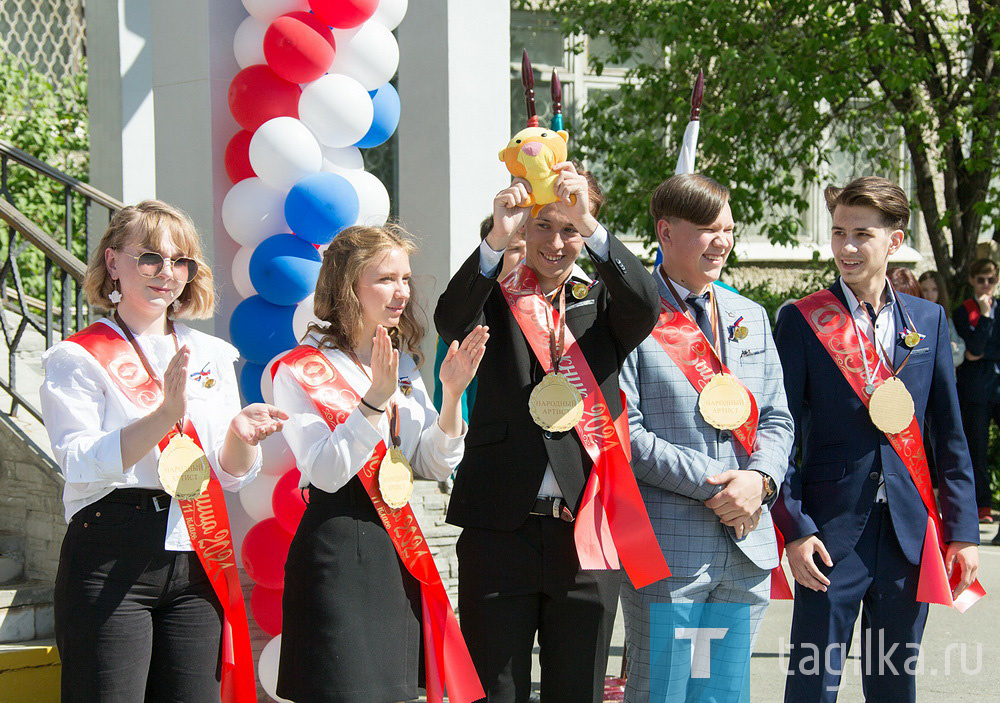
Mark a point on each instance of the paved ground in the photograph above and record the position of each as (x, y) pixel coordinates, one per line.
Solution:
(945, 678)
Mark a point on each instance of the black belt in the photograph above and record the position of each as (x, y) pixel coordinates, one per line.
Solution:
(552, 507)
(144, 499)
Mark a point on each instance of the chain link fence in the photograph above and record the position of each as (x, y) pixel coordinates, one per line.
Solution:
(47, 35)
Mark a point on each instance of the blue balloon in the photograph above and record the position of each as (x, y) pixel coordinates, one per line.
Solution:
(320, 205)
(284, 269)
(261, 330)
(386, 103)
(250, 382)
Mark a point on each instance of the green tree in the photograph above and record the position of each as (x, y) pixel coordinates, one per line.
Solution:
(788, 84)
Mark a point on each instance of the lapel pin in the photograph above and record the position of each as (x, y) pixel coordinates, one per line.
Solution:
(405, 386)
(737, 330)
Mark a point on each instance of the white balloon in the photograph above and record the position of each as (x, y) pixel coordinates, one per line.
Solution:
(266, 380)
(248, 44)
(240, 271)
(278, 457)
(267, 10)
(253, 211)
(345, 158)
(370, 55)
(337, 109)
(390, 13)
(267, 668)
(303, 316)
(283, 151)
(373, 198)
(255, 497)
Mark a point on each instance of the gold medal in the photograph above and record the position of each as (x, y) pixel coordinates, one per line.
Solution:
(911, 339)
(183, 468)
(555, 404)
(580, 290)
(891, 406)
(741, 332)
(395, 479)
(724, 403)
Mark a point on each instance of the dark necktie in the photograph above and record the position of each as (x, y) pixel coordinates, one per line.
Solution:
(699, 303)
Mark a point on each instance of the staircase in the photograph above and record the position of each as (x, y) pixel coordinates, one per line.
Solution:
(31, 510)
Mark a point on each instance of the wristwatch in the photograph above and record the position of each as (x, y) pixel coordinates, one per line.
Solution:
(769, 487)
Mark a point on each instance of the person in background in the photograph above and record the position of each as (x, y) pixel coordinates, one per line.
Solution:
(903, 280)
(979, 376)
(137, 615)
(934, 289)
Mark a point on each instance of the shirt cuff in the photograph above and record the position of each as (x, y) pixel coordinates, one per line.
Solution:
(234, 483)
(107, 458)
(489, 260)
(599, 244)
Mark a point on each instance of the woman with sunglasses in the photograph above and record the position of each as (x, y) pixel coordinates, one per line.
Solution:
(978, 377)
(144, 417)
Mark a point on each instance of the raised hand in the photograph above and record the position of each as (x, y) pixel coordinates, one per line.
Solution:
(257, 421)
(462, 361)
(174, 403)
(385, 369)
(510, 213)
(573, 192)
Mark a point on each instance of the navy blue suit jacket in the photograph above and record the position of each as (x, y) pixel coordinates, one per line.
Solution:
(977, 380)
(830, 488)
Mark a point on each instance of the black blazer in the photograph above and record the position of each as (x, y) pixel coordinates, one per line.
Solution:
(978, 380)
(505, 451)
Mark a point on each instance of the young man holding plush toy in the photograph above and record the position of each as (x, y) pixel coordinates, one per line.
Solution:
(545, 482)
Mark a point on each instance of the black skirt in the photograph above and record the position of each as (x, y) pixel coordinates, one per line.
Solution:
(351, 620)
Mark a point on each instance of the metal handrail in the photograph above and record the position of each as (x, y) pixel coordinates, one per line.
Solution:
(63, 310)
(84, 189)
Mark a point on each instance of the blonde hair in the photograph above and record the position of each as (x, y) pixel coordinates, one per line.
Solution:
(151, 224)
(336, 301)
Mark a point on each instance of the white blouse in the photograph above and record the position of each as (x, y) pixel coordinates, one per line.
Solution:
(84, 412)
(328, 460)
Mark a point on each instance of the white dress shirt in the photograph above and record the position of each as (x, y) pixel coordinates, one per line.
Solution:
(329, 459)
(885, 333)
(85, 411)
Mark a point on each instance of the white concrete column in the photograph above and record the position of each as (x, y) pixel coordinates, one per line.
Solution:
(120, 90)
(454, 86)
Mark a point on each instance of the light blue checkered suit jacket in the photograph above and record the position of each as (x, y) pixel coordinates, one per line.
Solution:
(674, 450)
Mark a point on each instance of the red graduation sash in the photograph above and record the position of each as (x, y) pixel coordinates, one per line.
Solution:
(686, 345)
(973, 309)
(447, 662)
(205, 517)
(831, 322)
(612, 527)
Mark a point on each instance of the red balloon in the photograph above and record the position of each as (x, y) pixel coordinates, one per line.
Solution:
(238, 157)
(265, 605)
(265, 549)
(257, 95)
(299, 47)
(344, 14)
(287, 501)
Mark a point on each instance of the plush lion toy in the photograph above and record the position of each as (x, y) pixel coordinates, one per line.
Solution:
(530, 155)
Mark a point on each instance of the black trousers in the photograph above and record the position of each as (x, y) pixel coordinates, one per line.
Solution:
(976, 422)
(514, 584)
(133, 621)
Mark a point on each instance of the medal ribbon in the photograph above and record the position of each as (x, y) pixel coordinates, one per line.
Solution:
(686, 345)
(612, 527)
(832, 324)
(448, 664)
(205, 517)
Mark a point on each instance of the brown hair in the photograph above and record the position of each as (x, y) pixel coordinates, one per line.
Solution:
(594, 191)
(151, 224)
(688, 196)
(336, 301)
(982, 266)
(878, 193)
(943, 298)
(904, 281)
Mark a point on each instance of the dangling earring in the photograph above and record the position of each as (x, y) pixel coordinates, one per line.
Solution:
(176, 305)
(115, 296)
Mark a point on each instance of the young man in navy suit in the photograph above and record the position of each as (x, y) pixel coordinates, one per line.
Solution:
(856, 505)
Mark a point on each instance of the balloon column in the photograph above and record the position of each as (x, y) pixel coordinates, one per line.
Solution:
(313, 90)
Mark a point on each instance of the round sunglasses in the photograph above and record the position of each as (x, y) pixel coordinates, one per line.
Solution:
(151, 263)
